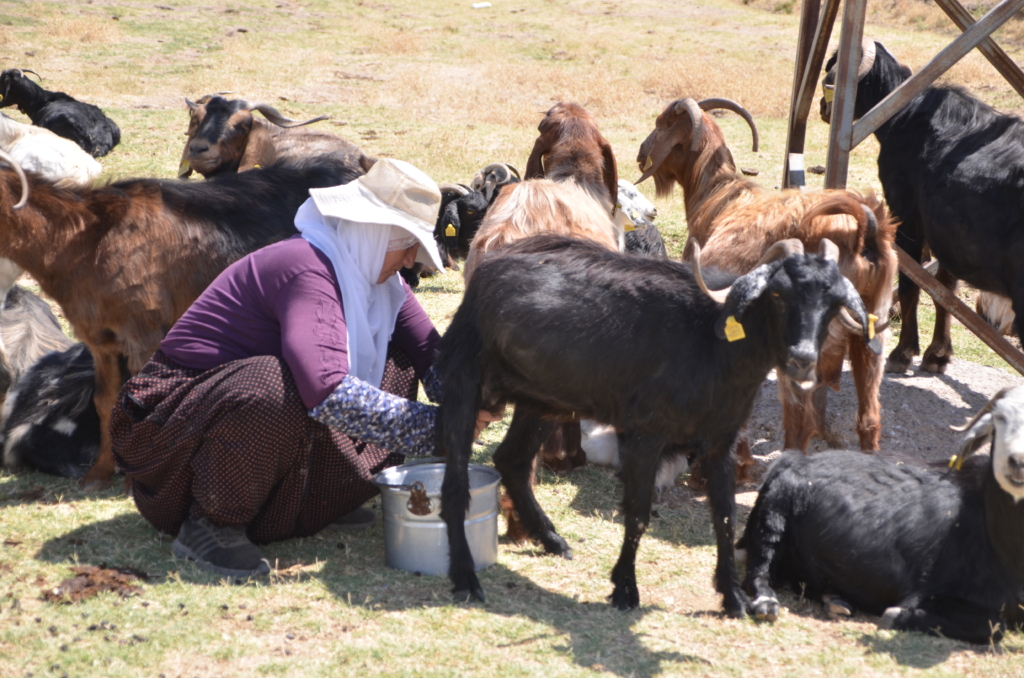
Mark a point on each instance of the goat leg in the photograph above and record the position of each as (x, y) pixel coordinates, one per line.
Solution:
(108, 384)
(761, 548)
(720, 466)
(867, 377)
(515, 459)
(641, 456)
(940, 351)
(909, 295)
(947, 617)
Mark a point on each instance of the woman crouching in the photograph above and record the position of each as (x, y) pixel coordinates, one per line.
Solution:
(290, 381)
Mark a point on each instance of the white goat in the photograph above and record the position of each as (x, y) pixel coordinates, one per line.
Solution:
(59, 160)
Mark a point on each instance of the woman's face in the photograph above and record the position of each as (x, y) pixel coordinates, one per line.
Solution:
(397, 260)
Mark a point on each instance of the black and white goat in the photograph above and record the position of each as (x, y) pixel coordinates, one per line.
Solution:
(491, 179)
(951, 169)
(459, 216)
(695, 362)
(83, 123)
(937, 553)
(48, 420)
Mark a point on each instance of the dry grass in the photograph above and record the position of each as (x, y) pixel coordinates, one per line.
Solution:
(449, 89)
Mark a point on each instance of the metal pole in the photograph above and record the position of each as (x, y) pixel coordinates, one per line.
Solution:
(841, 131)
(920, 81)
(805, 78)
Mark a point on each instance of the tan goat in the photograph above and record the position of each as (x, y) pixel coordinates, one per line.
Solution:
(735, 221)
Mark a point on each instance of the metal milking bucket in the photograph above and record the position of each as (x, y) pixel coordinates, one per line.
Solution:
(415, 536)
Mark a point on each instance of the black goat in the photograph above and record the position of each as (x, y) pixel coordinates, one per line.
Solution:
(929, 552)
(689, 377)
(65, 116)
(951, 168)
(459, 216)
(50, 423)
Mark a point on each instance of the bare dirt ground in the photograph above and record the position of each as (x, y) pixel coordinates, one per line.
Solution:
(917, 410)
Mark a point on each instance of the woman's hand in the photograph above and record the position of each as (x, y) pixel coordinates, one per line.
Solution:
(485, 417)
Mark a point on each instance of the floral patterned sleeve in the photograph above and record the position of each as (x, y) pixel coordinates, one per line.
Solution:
(432, 386)
(374, 416)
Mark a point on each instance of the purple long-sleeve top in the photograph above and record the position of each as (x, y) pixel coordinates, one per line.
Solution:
(283, 300)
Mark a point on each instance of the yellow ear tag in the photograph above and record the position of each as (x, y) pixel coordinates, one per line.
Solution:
(450, 231)
(872, 319)
(256, 167)
(956, 461)
(733, 329)
(830, 94)
(183, 167)
(648, 164)
(629, 227)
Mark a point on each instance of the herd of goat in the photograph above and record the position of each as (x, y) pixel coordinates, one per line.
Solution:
(795, 281)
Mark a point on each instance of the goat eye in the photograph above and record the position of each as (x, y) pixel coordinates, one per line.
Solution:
(470, 212)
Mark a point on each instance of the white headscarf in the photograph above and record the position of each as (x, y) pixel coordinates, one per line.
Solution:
(356, 251)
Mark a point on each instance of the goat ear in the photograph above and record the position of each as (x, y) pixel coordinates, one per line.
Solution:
(611, 172)
(977, 435)
(744, 292)
(541, 147)
(259, 148)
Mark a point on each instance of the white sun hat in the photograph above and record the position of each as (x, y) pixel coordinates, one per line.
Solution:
(392, 193)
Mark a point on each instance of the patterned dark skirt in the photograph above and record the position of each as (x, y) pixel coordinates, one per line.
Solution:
(235, 444)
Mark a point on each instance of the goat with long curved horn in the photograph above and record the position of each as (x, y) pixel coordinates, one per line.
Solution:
(21, 177)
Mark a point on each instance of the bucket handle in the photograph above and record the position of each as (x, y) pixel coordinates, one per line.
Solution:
(419, 503)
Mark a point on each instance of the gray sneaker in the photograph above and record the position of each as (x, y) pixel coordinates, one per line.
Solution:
(224, 550)
(357, 519)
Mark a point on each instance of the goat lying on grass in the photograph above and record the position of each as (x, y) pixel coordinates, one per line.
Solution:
(124, 261)
(83, 123)
(224, 136)
(48, 420)
(689, 377)
(938, 553)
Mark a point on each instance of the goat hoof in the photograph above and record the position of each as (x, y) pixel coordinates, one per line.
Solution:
(737, 605)
(555, 545)
(934, 365)
(836, 608)
(888, 620)
(766, 608)
(95, 485)
(469, 595)
(625, 597)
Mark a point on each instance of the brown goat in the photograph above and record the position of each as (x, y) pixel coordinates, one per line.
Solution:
(735, 221)
(570, 189)
(126, 260)
(224, 136)
(575, 197)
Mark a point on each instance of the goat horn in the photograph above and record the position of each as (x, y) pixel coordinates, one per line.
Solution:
(21, 177)
(730, 105)
(867, 59)
(718, 296)
(514, 171)
(461, 189)
(829, 250)
(781, 250)
(274, 116)
(985, 410)
(32, 72)
(693, 109)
